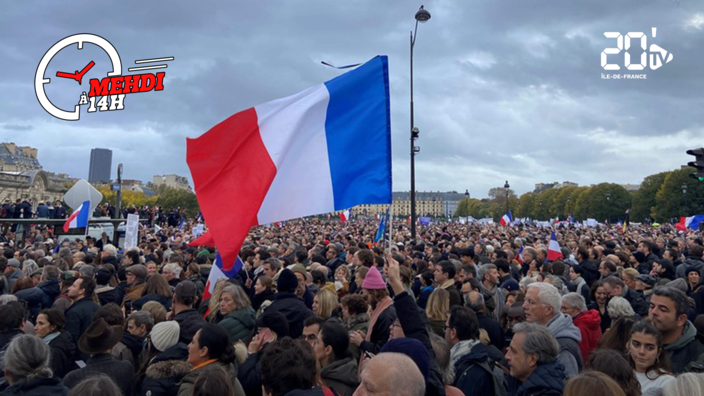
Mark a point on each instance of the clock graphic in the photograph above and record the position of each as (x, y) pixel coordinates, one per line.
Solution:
(40, 80)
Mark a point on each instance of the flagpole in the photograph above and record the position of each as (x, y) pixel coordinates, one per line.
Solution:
(391, 225)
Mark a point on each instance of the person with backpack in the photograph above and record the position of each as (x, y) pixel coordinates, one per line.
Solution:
(474, 371)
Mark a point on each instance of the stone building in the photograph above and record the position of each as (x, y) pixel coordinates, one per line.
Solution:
(428, 203)
(174, 181)
(22, 177)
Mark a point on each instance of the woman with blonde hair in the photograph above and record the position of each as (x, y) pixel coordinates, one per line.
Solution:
(688, 384)
(324, 303)
(629, 277)
(213, 302)
(238, 314)
(437, 309)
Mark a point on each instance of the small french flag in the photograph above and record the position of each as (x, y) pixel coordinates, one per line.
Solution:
(217, 272)
(520, 255)
(554, 252)
(79, 218)
(345, 215)
(506, 219)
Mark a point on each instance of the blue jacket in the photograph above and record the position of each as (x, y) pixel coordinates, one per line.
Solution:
(548, 379)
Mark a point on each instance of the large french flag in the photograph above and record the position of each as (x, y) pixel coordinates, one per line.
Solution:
(79, 217)
(325, 149)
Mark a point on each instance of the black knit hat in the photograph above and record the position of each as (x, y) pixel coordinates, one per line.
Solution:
(287, 282)
(274, 321)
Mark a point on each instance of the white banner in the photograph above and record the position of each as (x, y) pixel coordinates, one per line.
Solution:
(131, 231)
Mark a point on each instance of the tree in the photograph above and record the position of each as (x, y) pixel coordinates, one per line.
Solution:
(525, 205)
(178, 198)
(644, 199)
(670, 199)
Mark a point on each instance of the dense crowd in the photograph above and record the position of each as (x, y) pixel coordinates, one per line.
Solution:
(319, 308)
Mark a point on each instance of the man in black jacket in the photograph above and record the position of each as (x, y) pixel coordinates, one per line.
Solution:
(414, 325)
(475, 301)
(288, 303)
(80, 314)
(188, 319)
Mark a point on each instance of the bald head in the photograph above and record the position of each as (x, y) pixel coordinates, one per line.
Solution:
(391, 374)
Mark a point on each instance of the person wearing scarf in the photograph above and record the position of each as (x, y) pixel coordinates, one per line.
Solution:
(381, 317)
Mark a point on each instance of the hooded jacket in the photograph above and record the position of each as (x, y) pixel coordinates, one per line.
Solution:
(190, 321)
(470, 378)
(165, 372)
(589, 325)
(548, 379)
(568, 336)
(188, 382)
(341, 376)
(686, 349)
(637, 301)
(239, 324)
(51, 289)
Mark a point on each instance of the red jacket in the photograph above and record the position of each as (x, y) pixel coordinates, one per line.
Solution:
(589, 324)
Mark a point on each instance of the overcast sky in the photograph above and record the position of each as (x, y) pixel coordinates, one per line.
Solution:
(504, 89)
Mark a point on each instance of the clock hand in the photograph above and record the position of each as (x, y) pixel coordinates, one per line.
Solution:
(68, 75)
(84, 71)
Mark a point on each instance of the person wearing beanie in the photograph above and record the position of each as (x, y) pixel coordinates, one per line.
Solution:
(289, 304)
(13, 272)
(381, 317)
(303, 292)
(166, 361)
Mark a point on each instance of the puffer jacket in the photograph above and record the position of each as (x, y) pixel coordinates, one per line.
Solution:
(165, 372)
(548, 379)
(341, 376)
(239, 324)
(52, 290)
(589, 325)
(569, 337)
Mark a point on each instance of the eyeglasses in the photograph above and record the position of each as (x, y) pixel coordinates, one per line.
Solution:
(445, 327)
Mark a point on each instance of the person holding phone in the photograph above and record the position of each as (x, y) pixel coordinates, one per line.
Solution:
(271, 326)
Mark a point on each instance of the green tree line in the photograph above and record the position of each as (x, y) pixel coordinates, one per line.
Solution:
(661, 197)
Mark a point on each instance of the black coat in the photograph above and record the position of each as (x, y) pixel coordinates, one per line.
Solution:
(380, 332)
(190, 321)
(493, 329)
(295, 311)
(34, 298)
(258, 299)
(471, 378)
(63, 351)
(414, 325)
(548, 379)
(165, 301)
(51, 289)
(37, 387)
(637, 302)
(78, 317)
(119, 371)
(165, 372)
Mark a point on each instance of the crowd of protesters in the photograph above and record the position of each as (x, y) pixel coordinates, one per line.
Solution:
(320, 309)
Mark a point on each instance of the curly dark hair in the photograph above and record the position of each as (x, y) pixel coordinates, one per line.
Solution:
(288, 365)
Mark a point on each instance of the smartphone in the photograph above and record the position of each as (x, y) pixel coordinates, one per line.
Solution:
(265, 335)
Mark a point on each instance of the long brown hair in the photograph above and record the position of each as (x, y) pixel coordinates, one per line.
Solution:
(156, 284)
(593, 383)
(614, 364)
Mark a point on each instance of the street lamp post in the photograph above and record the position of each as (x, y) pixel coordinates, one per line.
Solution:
(422, 16)
(684, 192)
(608, 207)
(506, 187)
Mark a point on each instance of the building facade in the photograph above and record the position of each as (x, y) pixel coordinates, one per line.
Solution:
(100, 166)
(15, 158)
(36, 185)
(428, 203)
(174, 181)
